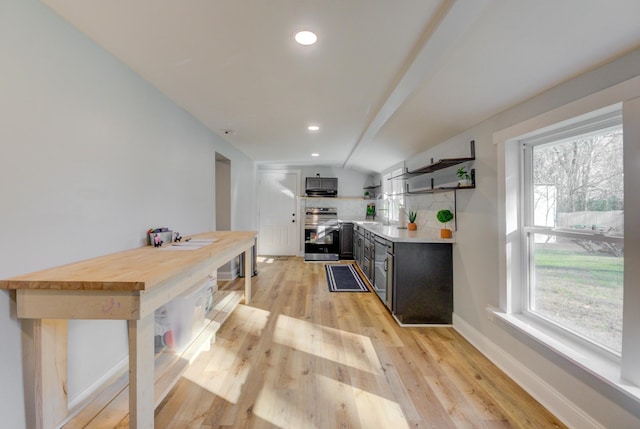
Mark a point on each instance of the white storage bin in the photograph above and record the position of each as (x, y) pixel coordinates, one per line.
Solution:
(179, 321)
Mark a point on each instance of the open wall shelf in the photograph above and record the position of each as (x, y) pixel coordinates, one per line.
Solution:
(438, 165)
(372, 186)
(434, 189)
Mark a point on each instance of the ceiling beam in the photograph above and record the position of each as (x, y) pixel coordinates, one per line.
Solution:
(446, 28)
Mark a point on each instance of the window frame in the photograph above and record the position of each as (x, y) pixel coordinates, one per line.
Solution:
(610, 120)
(605, 372)
(392, 194)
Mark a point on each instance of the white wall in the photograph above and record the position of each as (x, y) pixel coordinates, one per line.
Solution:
(91, 156)
(476, 261)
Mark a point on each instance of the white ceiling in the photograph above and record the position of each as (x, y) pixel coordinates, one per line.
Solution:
(386, 80)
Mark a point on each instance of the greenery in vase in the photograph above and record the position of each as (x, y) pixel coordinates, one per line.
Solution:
(444, 216)
(412, 216)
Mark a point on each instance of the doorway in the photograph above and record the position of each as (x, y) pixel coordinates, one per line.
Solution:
(223, 209)
(279, 227)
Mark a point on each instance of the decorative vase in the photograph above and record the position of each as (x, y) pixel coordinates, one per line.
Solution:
(445, 233)
(412, 226)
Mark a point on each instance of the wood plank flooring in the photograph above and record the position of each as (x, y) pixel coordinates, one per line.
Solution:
(301, 357)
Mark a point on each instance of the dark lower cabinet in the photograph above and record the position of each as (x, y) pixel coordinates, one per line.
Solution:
(346, 240)
(423, 283)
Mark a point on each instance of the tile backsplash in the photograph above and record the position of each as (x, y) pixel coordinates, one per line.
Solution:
(348, 208)
(427, 205)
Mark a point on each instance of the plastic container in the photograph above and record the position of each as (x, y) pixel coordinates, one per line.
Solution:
(165, 237)
(179, 321)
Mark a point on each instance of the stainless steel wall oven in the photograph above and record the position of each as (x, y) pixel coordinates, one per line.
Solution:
(321, 234)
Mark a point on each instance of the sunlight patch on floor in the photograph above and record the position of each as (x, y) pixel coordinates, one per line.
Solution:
(327, 406)
(343, 347)
(227, 371)
(374, 411)
(335, 404)
(225, 382)
(379, 412)
(284, 408)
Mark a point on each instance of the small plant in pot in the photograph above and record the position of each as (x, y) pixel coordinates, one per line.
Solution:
(445, 216)
(465, 178)
(412, 220)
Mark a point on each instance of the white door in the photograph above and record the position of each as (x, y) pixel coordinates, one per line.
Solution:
(279, 226)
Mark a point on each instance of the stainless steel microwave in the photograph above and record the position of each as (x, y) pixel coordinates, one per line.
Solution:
(321, 186)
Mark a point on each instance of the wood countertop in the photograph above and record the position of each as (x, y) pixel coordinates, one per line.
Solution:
(138, 269)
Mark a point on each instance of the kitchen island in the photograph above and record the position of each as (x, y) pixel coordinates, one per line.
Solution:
(129, 286)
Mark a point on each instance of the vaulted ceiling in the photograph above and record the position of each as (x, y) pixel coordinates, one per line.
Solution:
(387, 79)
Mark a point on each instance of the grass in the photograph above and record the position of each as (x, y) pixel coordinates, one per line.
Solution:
(581, 291)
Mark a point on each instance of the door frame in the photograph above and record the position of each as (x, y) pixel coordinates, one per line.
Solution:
(298, 174)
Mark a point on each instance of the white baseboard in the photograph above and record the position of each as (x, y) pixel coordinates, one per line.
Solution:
(75, 404)
(565, 410)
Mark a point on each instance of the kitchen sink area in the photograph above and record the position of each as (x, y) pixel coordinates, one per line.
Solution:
(410, 271)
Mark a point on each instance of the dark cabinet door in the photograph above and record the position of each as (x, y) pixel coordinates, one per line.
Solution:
(423, 283)
(357, 245)
(346, 240)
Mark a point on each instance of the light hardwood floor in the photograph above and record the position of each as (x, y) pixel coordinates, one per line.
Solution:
(301, 357)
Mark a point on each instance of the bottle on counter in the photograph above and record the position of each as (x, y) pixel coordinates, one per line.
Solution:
(402, 218)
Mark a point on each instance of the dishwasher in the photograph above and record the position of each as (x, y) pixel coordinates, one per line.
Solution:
(383, 268)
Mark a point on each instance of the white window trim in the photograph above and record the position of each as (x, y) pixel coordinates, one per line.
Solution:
(392, 198)
(611, 119)
(622, 375)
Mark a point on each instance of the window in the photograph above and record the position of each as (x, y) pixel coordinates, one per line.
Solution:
(573, 230)
(392, 190)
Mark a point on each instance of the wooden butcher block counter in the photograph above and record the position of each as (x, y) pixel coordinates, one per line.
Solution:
(128, 285)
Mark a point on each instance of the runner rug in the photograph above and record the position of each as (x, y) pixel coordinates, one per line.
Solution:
(344, 278)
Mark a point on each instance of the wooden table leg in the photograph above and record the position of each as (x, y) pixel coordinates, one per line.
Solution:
(45, 364)
(248, 272)
(141, 373)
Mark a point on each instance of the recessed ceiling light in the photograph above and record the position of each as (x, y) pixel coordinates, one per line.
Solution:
(306, 37)
(313, 128)
(315, 154)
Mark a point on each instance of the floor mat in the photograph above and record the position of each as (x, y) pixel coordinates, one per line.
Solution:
(344, 278)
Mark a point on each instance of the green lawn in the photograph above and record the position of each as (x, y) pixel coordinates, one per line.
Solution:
(580, 290)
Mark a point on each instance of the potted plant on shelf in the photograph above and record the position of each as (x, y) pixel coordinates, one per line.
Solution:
(412, 220)
(445, 216)
(465, 178)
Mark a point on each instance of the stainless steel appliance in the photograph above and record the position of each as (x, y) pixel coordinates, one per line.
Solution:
(321, 186)
(321, 234)
(253, 262)
(383, 268)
